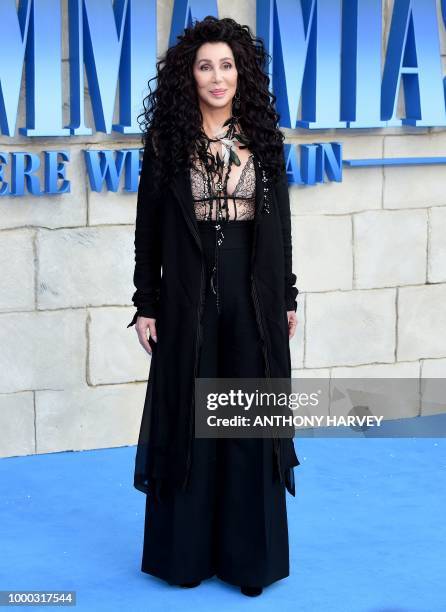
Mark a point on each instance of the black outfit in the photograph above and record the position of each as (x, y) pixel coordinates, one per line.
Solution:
(213, 506)
(232, 521)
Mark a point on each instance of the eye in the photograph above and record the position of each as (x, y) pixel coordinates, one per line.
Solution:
(204, 66)
(228, 65)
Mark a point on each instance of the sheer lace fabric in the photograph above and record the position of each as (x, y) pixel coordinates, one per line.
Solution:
(236, 206)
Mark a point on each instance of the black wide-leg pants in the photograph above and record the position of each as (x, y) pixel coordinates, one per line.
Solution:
(232, 519)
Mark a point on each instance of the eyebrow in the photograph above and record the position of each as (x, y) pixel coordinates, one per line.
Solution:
(208, 60)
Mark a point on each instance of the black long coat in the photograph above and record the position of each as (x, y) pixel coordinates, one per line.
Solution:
(167, 240)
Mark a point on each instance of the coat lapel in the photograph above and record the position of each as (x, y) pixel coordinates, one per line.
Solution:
(181, 186)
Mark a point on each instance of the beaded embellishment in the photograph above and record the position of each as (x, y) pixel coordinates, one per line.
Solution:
(266, 192)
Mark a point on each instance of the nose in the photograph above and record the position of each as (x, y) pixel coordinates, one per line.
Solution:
(217, 75)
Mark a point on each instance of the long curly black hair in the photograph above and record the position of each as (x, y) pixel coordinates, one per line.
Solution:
(172, 117)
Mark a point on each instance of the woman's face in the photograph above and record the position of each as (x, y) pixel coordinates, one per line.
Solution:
(215, 75)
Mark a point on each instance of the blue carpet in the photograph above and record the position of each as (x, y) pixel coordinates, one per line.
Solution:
(367, 531)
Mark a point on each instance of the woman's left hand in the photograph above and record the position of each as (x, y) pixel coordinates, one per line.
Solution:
(292, 322)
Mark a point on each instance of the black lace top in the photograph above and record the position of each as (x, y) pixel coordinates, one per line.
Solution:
(237, 205)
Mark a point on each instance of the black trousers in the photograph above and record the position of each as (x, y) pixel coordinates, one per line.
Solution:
(232, 519)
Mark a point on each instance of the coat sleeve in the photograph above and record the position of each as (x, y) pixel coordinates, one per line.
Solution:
(283, 200)
(147, 272)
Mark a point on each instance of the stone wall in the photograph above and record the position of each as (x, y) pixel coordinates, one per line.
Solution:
(369, 254)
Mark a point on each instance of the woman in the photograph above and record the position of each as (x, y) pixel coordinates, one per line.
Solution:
(213, 215)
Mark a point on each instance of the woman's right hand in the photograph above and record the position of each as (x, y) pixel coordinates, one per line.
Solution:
(142, 325)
